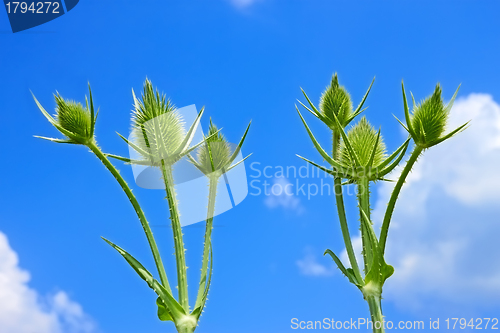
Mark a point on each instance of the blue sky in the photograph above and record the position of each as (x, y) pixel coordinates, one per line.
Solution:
(246, 60)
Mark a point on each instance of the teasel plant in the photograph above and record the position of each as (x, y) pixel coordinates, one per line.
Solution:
(160, 140)
(359, 157)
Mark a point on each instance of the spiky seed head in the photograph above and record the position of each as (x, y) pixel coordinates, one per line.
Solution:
(157, 126)
(73, 117)
(336, 100)
(362, 137)
(429, 119)
(215, 153)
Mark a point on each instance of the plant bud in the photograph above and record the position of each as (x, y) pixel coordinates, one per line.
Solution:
(336, 100)
(429, 119)
(157, 127)
(215, 153)
(363, 138)
(74, 118)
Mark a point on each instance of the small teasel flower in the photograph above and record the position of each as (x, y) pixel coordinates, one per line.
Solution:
(157, 126)
(216, 155)
(158, 130)
(72, 119)
(335, 102)
(428, 119)
(365, 141)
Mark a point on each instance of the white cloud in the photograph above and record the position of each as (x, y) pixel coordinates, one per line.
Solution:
(281, 194)
(23, 310)
(443, 235)
(309, 266)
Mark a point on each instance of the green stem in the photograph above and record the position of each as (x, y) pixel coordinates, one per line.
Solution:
(177, 230)
(395, 194)
(145, 225)
(376, 313)
(364, 205)
(337, 185)
(212, 192)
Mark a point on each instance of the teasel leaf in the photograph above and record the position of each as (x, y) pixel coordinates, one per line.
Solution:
(401, 151)
(238, 148)
(54, 123)
(347, 143)
(378, 271)
(407, 111)
(190, 135)
(163, 313)
(199, 309)
(54, 140)
(190, 150)
(452, 133)
(452, 100)
(318, 147)
(93, 116)
(342, 172)
(236, 164)
(354, 115)
(349, 273)
(374, 150)
(358, 109)
(128, 160)
(404, 126)
(174, 308)
(314, 110)
(317, 115)
(136, 147)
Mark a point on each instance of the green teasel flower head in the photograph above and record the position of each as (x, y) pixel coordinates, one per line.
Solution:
(428, 119)
(335, 102)
(72, 119)
(215, 155)
(362, 153)
(366, 142)
(157, 126)
(158, 130)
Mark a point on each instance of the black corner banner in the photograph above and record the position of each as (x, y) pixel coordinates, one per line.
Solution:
(28, 14)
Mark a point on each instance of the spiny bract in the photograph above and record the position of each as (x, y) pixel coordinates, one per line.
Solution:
(215, 153)
(429, 119)
(73, 117)
(157, 126)
(362, 138)
(336, 100)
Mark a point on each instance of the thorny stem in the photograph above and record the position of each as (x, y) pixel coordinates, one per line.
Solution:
(212, 192)
(337, 185)
(395, 194)
(145, 225)
(364, 205)
(376, 313)
(177, 230)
